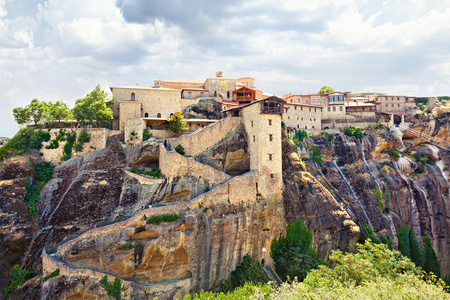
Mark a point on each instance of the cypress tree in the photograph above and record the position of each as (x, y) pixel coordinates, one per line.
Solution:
(403, 241)
(415, 251)
(431, 263)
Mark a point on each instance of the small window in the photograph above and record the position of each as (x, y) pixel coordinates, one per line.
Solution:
(340, 108)
(297, 118)
(310, 119)
(271, 176)
(313, 127)
(270, 122)
(315, 109)
(329, 108)
(270, 156)
(298, 126)
(314, 119)
(310, 109)
(252, 123)
(158, 115)
(291, 101)
(306, 126)
(270, 137)
(190, 124)
(189, 94)
(295, 107)
(201, 94)
(289, 118)
(133, 96)
(228, 95)
(334, 108)
(301, 108)
(146, 115)
(254, 138)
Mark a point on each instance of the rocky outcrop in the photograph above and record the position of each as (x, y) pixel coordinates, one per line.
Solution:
(204, 109)
(229, 154)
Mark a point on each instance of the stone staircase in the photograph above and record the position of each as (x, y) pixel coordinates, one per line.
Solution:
(425, 137)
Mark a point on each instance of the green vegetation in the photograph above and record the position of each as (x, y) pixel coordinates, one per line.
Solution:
(113, 289)
(354, 131)
(374, 272)
(367, 233)
(155, 172)
(41, 113)
(16, 278)
(422, 100)
(52, 275)
(42, 174)
(315, 154)
(158, 219)
(179, 149)
(18, 144)
(83, 137)
(325, 89)
(126, 246)
(327, 135)
(293, 254)
(146, 134)
(38, 137)
(250, 270)
(424, 159)
(409, 247)
(68, 146)
(176, 122)
(93, 109)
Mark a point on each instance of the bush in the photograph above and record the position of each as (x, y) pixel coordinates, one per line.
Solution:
(113, 289)
(315, 155)
(176, 122)
(158, 219)
(146, 134)
(54, 144)
(354, 131)
(293, 254)
(16, 278)
(387, 194)
(44, 172)
(328, 136)
(84, 137)
(52, 275)
(126, 246)
(180, 149)
(18, 144)
(37, 138)
(367, 233)
(250, 270)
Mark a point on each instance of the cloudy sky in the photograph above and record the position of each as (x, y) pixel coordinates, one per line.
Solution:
(61, 49)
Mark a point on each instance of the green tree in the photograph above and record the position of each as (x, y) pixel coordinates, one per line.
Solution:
(367, 233)
(176, 122)
(326, 89)
(293, 253)
(32, 112)
(250, 270)
(92, 109)
(403, 240)
(414, 249)
(58, 111)
(431, 263)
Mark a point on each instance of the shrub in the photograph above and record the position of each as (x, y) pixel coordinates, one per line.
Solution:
(328, 136)
(367, 233)
(387, 194)
(44, 172)
(431, 263)
(293, 254)
(54, 144)
(170, 217)
(126, 246)
(78, 147)
(16, 278)
(18, 144)
(52, 275)
(176, 122)
(84, 137)
(180, 149)
(420, 171)
(157, 219)
(315, 155)
(354, 131)
(113, 289)
(250, 270)
(146, 134)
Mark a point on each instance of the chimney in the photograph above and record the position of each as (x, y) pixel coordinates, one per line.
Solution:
(219, 74)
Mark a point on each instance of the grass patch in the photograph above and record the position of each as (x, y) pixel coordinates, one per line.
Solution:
(51, 275)
(158, 219)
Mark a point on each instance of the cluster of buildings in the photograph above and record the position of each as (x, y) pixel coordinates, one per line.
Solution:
(152, 105)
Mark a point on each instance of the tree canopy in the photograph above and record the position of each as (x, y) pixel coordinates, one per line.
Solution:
(326, 89)
(92, 109)
(176, 122)
(32, 112)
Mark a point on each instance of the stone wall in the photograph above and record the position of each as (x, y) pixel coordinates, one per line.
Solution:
(172, 165)
(129, 110)
(303, 117)
(343, 125)
(133, 130)
(98, 140)
(206, 137)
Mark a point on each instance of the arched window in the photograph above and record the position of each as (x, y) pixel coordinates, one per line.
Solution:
(228, 95)
(146, 115)
(133, 96)
(158, 115)
(215, 94)
(171, 114)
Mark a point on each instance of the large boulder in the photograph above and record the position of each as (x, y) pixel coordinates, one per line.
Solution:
(204, 109)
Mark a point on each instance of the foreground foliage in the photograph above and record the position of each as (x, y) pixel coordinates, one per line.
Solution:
(250, 270)
(293, 254)
(16, 278)
(114, 289)
(176, 122)
(375, 272)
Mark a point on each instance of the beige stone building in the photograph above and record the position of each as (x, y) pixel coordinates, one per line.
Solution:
(358, 109)
(303, 116)
(144, 102)
(390, 103)
(262, 121)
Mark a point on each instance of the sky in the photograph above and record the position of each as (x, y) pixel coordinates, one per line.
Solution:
(61, 49)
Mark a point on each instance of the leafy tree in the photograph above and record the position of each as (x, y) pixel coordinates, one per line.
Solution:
(146, 134)
(403, 240)
(92, 109)
(114, 289)
(176, 122)
(32, 112)
(431, 263)
(58, 111)
(354, 131)
(315, 154)
(250, 270)
(326, 89)
(414, 249)
(293, 254)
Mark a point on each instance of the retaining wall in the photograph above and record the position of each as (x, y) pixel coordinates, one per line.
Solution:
(173, 164)
(206, 137)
